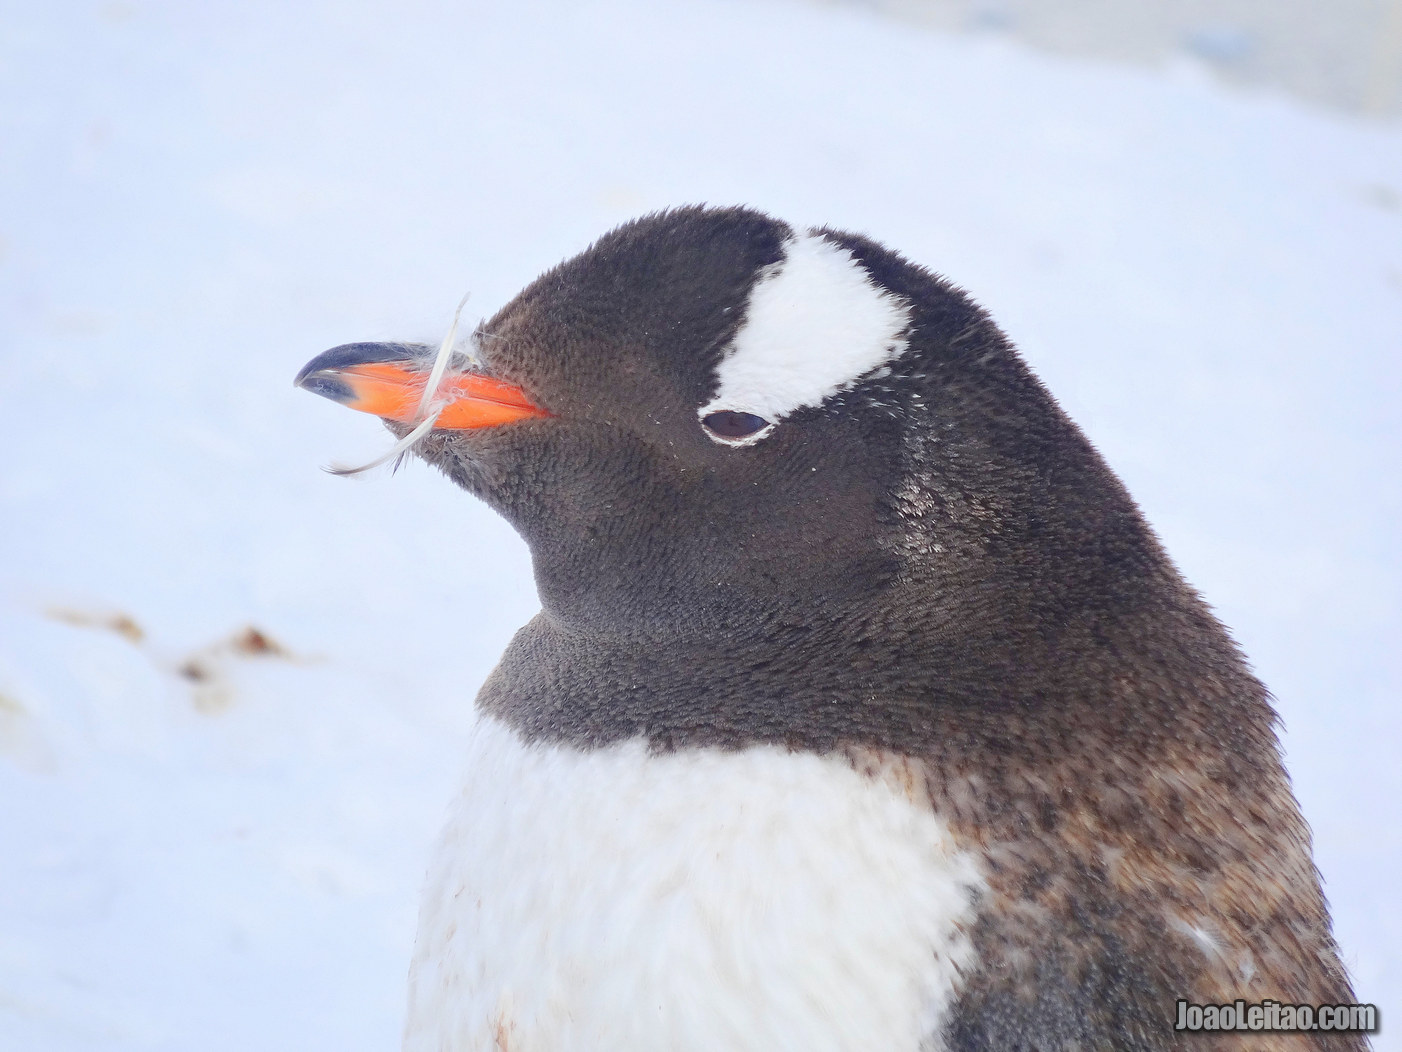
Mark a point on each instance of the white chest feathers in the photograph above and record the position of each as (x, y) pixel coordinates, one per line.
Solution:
(612, 899)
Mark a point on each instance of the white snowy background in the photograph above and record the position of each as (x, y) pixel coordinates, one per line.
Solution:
(212, 839)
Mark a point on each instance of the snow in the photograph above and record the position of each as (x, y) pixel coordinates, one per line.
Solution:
(196, 199)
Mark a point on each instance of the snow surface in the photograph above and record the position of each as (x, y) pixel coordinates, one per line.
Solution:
(195, 199)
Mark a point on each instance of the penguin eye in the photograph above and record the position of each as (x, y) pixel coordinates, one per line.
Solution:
(730, 426)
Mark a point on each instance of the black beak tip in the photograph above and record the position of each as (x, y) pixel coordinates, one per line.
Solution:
(326, 384)
(319, 374)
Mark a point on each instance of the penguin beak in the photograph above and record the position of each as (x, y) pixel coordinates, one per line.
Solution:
(388, 379)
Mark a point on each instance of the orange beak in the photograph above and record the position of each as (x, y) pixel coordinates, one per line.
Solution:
(387, 379)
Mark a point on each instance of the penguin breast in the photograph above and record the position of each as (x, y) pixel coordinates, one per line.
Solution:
(621, 898)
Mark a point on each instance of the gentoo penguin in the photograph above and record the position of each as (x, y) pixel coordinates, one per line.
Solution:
(863, 711)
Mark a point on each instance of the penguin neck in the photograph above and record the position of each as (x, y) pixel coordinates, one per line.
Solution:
(895, 677)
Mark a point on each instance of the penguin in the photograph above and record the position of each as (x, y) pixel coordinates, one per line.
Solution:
(864, 710)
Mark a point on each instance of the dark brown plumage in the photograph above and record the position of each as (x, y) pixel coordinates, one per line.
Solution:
(934, 574)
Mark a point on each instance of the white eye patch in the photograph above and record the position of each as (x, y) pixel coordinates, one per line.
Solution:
(816, 324)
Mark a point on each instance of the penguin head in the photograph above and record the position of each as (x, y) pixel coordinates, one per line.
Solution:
(714, 422)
